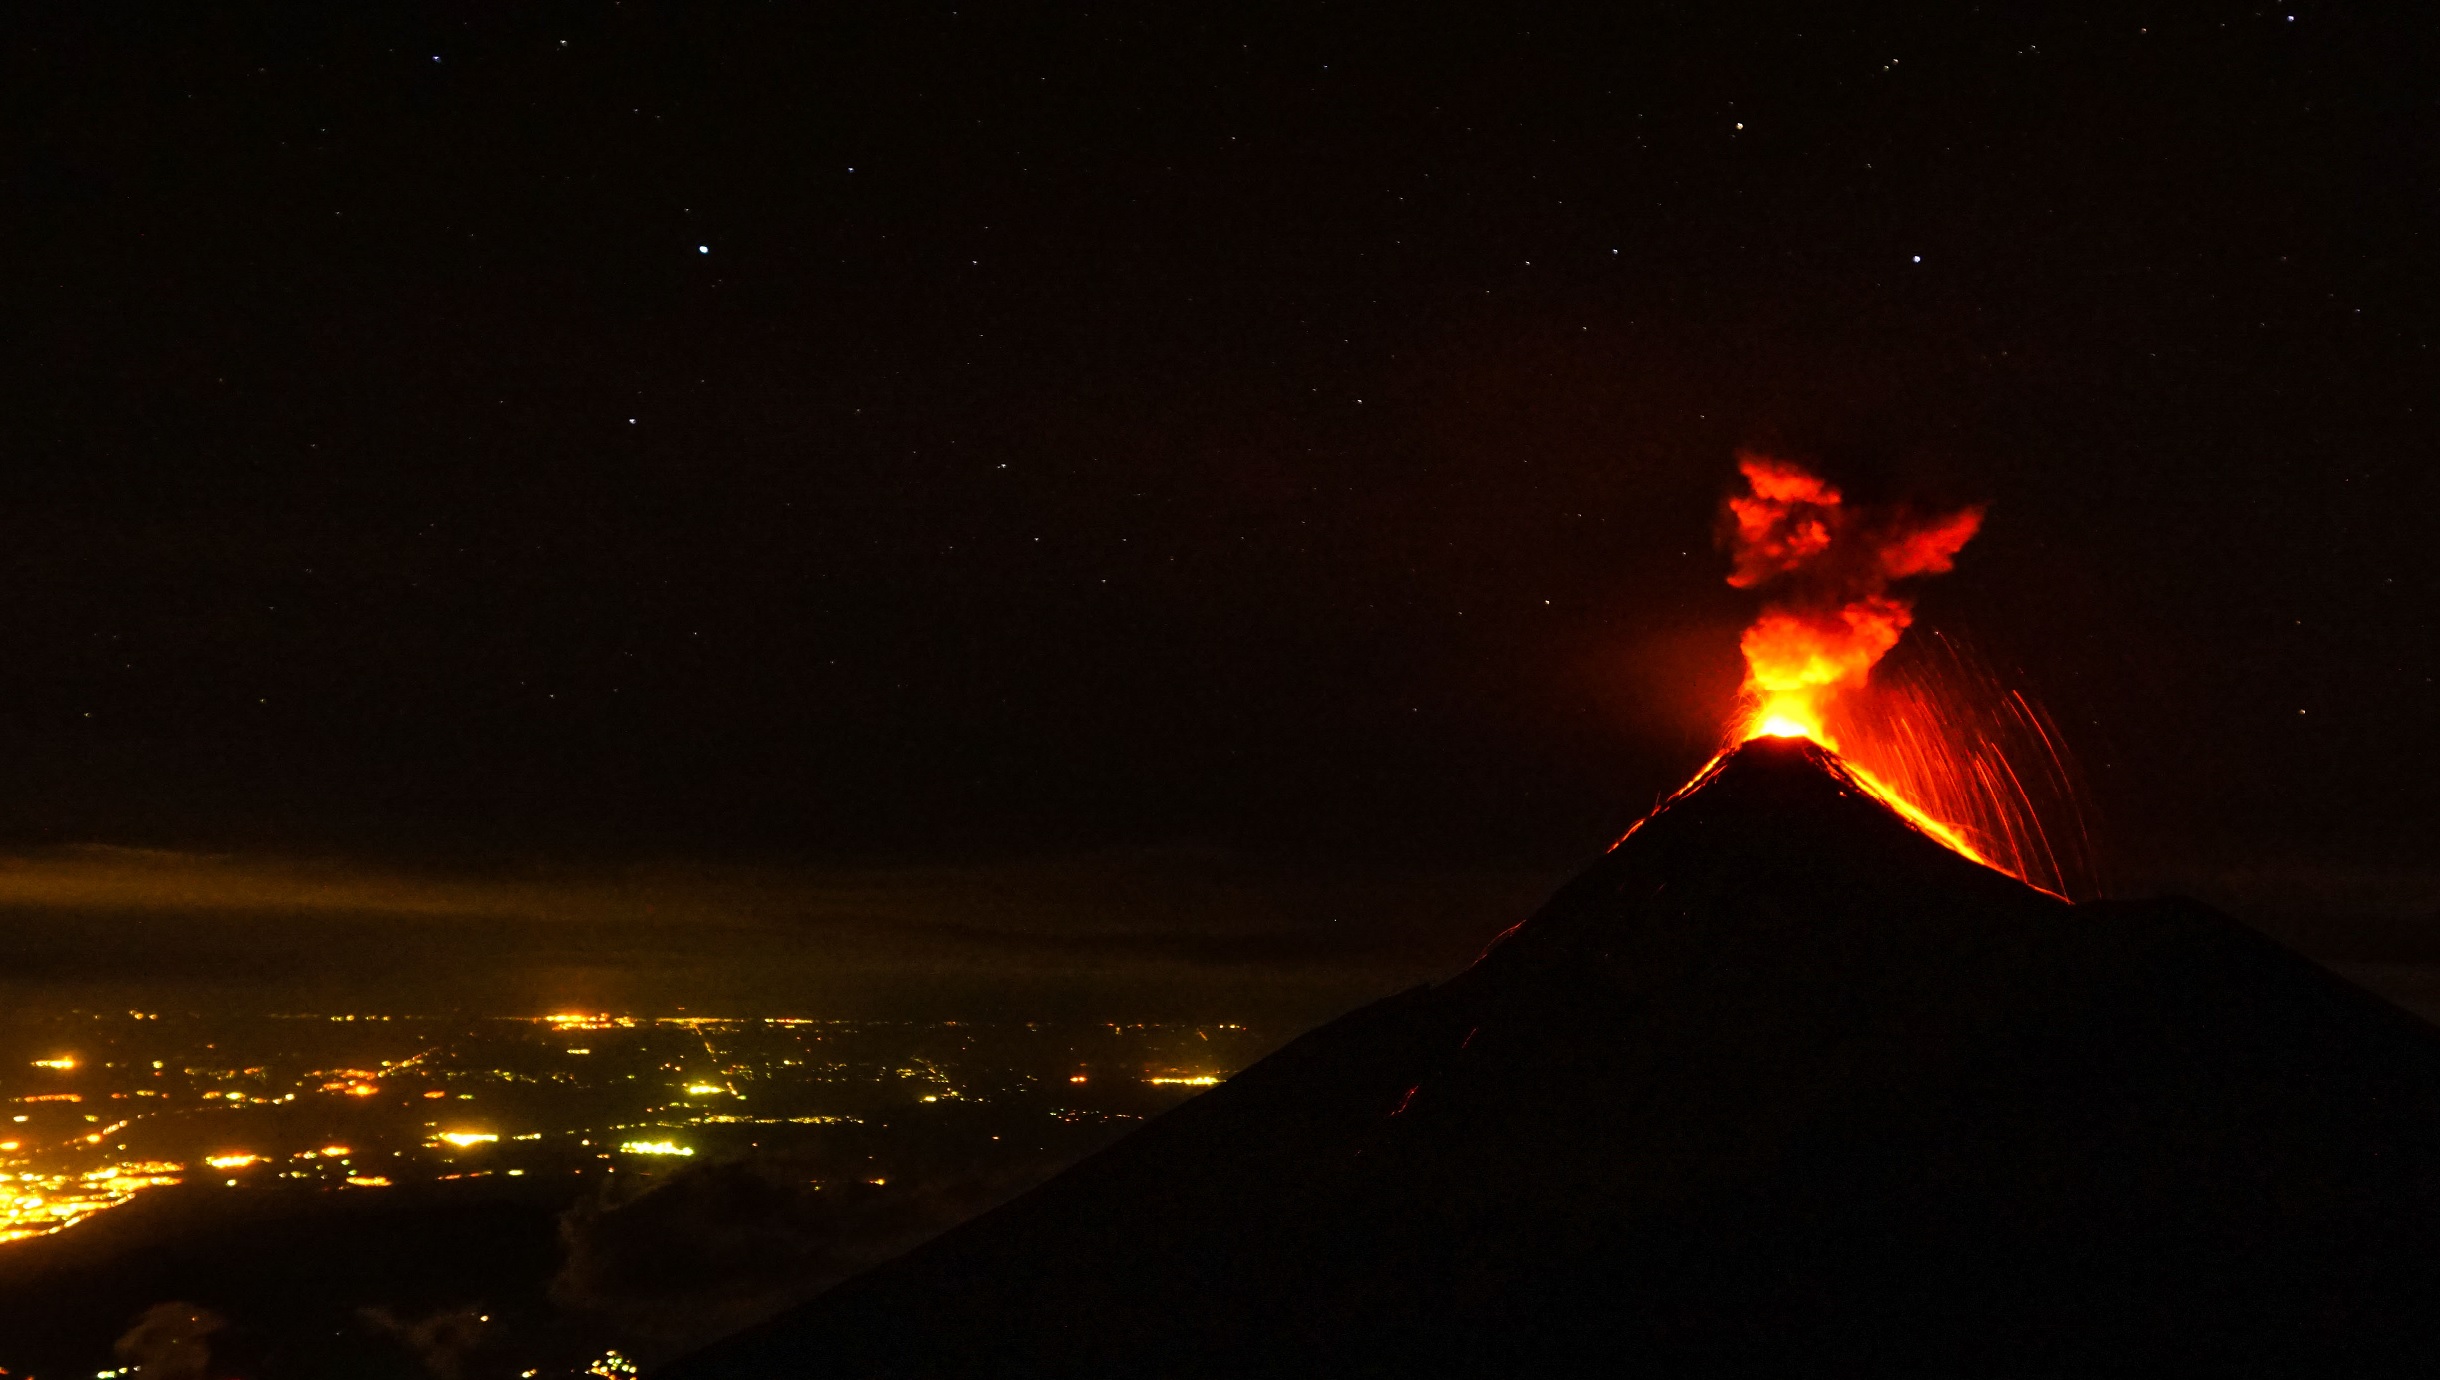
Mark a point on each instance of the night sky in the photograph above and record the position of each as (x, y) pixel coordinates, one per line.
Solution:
(898, 502)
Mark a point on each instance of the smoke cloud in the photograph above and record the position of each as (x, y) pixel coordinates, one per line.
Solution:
(1826, 566)
(171, 1341)
(441, 1342)
(713, 1247)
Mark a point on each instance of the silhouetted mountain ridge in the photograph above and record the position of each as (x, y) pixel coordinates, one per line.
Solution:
(1778, 1086)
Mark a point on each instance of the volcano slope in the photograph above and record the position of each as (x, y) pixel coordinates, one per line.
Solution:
(1779, 1086)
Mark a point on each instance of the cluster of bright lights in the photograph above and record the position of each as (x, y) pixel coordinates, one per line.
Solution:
(655, 1147)
(350, 1082)
(577, 1020)
(38, 1204)
(51, 1180)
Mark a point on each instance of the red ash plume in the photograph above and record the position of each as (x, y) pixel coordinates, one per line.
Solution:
(1827, 567)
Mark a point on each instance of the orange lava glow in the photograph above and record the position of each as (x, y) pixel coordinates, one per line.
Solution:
(1915, 815)
(1826, 567)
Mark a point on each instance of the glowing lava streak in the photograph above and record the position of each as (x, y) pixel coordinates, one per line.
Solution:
(1915, 816)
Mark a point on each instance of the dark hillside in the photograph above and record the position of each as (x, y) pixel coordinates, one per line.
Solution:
(1778, 1086)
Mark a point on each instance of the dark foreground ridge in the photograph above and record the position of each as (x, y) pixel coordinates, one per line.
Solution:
(1779, 1086)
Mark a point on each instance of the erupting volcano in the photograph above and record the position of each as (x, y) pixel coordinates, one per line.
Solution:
(1787, 1082)
(1828, 571)
(1828, 568)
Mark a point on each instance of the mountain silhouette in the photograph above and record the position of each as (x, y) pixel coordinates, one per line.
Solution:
(1779, 1086)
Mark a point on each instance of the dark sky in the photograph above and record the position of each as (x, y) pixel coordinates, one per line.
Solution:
(948, 441)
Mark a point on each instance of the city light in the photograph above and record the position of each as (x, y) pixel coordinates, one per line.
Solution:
(70, 1121)
(579, 1021)
(35, 1204)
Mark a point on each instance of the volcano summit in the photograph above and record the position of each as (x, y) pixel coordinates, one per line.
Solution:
(1779, 1086)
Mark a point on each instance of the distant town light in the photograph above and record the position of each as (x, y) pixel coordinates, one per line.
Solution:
(53, 1181)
